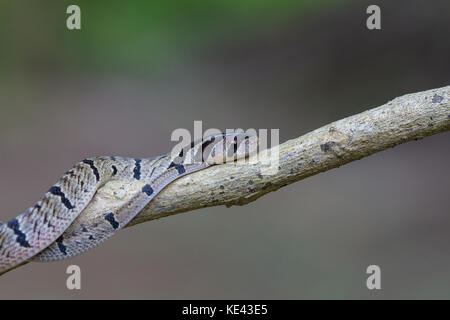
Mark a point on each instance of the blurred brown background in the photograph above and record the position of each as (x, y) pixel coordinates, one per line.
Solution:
(138, 70)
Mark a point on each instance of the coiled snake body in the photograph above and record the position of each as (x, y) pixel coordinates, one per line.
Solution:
(54, 228)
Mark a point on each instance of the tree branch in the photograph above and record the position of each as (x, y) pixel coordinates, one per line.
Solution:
(409, 117)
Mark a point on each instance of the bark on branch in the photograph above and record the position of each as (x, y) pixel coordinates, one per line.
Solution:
(409, 117)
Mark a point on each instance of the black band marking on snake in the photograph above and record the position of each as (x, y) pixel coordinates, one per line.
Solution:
(55, 190)
(110, 218)
(180, 168)
(93, 167)
(61, 246)
(204, 146)
(137, 169)
(21, 237)
(147, 189)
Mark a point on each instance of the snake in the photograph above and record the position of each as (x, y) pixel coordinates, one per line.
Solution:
(55, 228)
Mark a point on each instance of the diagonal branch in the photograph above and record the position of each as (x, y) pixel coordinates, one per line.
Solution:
(409, 117)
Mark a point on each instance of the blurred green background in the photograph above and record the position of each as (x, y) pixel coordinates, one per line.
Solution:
(137, 70)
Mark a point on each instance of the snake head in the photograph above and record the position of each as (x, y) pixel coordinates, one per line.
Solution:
(228, 147)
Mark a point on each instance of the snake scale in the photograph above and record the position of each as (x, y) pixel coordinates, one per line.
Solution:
(54, 228)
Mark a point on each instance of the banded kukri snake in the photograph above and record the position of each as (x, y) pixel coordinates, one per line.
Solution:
(54, 227)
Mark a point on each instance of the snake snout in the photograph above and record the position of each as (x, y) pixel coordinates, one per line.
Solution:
(232, 146)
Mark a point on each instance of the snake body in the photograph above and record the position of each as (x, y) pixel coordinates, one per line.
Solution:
(54, 228)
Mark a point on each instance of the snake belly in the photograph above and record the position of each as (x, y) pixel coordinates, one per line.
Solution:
(54, 228)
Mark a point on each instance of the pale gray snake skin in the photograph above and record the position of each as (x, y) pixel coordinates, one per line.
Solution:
(54, 227)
